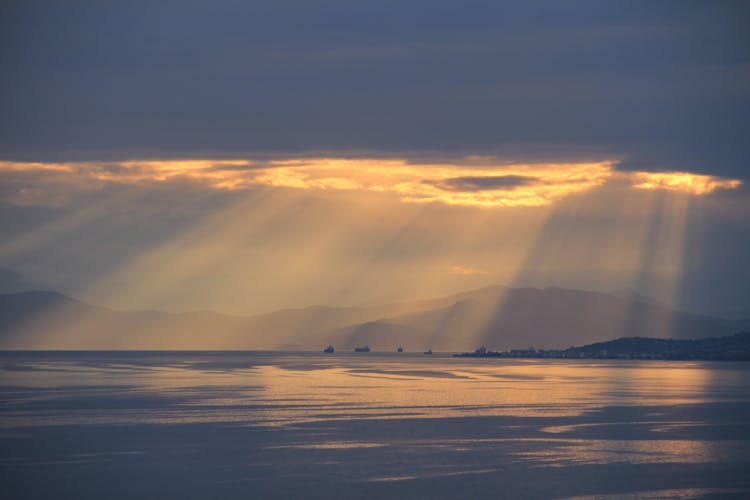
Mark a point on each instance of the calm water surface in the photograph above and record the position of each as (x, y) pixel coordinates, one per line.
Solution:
(301, 425)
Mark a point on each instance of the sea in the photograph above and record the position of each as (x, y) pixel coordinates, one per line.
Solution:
(178, 424)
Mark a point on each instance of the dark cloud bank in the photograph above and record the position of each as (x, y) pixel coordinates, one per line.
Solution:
(662, 85)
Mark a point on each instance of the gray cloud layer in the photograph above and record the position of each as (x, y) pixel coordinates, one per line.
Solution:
(664, 85)
(481, 183)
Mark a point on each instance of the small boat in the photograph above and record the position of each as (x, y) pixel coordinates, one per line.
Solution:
(365, 348)
(428, 351)
(400, 349)
(328, 350)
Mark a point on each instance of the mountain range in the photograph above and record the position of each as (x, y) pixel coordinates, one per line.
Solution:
(498, 317)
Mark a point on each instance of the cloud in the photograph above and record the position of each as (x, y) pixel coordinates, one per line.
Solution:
(682, 181)
(485, 183)
(467, 183)
(658, 85)
(449, 183)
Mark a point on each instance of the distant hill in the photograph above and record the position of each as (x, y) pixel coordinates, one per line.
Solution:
(49, 320)
(504, 318)
(732, 347)
(729, 348)
(498, 317)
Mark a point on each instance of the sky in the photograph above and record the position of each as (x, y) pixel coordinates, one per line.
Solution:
(249, 156)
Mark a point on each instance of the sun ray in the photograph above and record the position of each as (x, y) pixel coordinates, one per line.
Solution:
(376, 229)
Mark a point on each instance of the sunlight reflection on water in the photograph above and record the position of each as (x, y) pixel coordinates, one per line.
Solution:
(564, 452)
(379, 420)
(298, 388)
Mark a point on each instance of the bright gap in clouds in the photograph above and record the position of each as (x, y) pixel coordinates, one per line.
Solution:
(469, 184)
(342, 231)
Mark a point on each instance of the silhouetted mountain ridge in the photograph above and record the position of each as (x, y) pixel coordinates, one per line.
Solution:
(735, 346)
(729, 348)
(496, 316)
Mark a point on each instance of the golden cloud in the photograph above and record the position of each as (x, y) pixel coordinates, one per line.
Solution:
(696, 184)
(484, 185)
(490, 186)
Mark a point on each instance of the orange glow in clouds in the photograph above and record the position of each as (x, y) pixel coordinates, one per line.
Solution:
(682, 181)
(488, 186)
(483, 185)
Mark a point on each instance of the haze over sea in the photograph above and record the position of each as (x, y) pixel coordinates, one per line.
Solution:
(377, 425)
